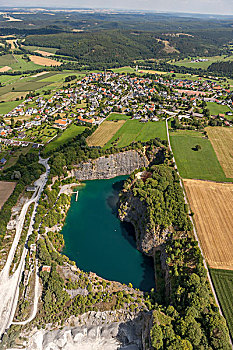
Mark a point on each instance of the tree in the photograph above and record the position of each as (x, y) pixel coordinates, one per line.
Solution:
(156, 337)
(197, 147)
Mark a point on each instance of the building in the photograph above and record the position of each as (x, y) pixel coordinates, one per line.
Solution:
(46, 268)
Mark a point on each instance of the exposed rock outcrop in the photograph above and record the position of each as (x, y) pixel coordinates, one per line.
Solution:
(134, 211)
(106, 167)
(95, 331)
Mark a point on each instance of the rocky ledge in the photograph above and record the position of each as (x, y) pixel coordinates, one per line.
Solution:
(106, 167)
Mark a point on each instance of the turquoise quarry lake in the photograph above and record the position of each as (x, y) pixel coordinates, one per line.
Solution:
(97, 241)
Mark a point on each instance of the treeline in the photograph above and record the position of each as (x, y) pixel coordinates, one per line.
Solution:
(26, 31)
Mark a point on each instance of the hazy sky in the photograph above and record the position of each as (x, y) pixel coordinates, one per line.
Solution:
(197, 6)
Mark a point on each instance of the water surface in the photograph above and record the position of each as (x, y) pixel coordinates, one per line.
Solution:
(97, 241)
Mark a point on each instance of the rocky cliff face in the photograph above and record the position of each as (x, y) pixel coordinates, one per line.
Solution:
(107, 167)
(134, 211)
(95, 331)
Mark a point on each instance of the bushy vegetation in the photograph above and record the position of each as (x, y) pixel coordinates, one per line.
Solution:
(191, 319)
(163, 198)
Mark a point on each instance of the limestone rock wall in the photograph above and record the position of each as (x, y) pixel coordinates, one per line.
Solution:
(94, 331)
(106, 167)
(132, 210)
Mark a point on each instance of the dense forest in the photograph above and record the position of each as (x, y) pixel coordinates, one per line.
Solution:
(162, 196)
(224, 68)
(189, 318)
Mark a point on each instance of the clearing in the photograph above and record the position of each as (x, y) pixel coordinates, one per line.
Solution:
(104, 133)
(212, 206)
(6, 189)
(192, 164)
(134, 130)
(222, 141)
(223, 284)
(42, 61)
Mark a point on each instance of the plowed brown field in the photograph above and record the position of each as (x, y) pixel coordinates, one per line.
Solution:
(222, 142)
(6, 188)
(212, 205)
(104, 133)
(43, 61)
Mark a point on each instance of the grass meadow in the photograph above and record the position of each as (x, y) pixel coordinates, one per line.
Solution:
(215, 109)
(134, 130)
(67, 135)
(118, 116)
(202, 164)
(187, 62)
(6, 107)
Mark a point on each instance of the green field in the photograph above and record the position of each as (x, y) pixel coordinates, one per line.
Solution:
(7, 60)
(134, 130)
(16, 62)
(59, 77)
(68, 134)
(202, 164)
(204, 65)
(7, 79)
(223, 284)
(215, 109)
(22, 86)
(118, 116)
(6, 107)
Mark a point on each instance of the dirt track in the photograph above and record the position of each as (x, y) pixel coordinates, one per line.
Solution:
(212, 205)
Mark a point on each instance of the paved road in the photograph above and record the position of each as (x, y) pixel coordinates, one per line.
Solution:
(9, 285)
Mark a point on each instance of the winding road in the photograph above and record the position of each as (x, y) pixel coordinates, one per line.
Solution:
(9, 285)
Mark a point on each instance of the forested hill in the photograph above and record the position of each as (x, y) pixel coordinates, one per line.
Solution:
(112, 46)
(117, 47)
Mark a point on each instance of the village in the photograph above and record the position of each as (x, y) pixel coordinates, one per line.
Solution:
(38, 120)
